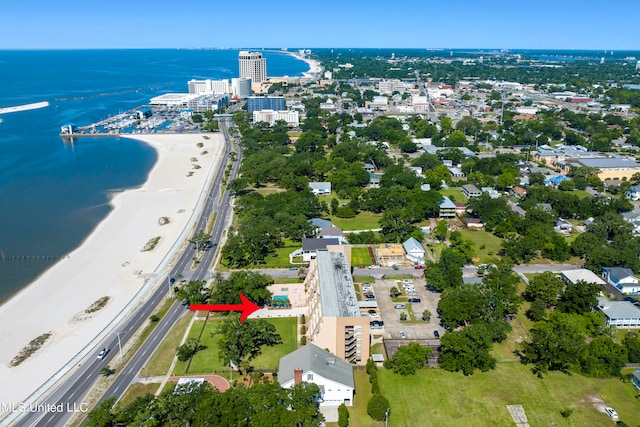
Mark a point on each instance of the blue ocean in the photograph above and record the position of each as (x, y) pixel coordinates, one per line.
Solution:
(53, 193)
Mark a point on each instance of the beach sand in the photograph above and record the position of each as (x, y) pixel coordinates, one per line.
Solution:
(109, 263)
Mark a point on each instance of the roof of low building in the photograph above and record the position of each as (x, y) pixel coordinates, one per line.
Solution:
(619, 272)
(411, 244)
(618, 309)
(446, 203)
(313, 358)
(319, 185)
(320, 222)
(330, 231)
(574, 276)
(310, 244)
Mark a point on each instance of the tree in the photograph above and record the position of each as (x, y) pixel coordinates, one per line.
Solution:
(107, 371)
(394, 292)
(192, 292)
(243, 342)
(466, 350)
(343, 415)
(544, 287)
(187, 350)
(200, 239)
(579, 298)
(377, 407)
(537, 311)
(460, 306)
(440, 232)
(426, 315)
(408, 359)
(603, 358)
(631, 343)
(252, 284)
(101, 415)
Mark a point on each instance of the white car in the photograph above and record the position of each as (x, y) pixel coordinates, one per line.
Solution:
(611, 412)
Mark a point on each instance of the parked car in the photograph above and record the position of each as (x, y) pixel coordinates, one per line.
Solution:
(611, 412)
(419, 267)
(371, 267)
(400, 306)
(412, 294)
(103, 353)
(403, 335)
(436, 334)
(414, 300)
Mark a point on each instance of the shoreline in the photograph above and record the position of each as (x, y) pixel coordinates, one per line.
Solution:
(315, 66)
(108, 263)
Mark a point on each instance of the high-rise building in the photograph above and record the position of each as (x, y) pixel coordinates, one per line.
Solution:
(208, 87)
(241, 88)
(257, 103)
(253, 66)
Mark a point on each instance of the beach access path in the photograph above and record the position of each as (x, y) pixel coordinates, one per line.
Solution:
(110, 263)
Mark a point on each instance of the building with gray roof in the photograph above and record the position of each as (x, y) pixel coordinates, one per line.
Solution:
(314, 365)
(621, 314)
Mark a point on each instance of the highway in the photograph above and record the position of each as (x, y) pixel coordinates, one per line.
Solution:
(71, 391)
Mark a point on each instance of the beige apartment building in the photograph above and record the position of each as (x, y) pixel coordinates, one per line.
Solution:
(334, 320)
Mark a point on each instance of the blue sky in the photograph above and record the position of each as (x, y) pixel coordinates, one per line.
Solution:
(540, 24)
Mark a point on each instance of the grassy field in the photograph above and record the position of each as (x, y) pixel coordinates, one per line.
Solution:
(455, 195)
(451, 399)
(363, 221)
(137, 390)
(479, 238)
(358, 416)
(160, 362)
(287, 280)
(360, 256)
(206, 361)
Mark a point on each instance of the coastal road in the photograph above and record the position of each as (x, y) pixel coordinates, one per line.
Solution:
(69, 394)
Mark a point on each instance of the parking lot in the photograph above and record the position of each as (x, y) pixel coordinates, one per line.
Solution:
(393, 326)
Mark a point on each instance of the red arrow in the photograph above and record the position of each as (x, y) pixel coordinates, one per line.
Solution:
(247, 307)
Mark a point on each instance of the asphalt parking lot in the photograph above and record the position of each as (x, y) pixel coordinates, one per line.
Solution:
(417, 329)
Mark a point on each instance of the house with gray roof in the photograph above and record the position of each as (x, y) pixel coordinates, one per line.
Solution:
(622, 278)
(310, 247)
(471, 190)
(621, 314)
(320, 188)
(319, 223)
(415, 251)
(314, 365)
(331, 233)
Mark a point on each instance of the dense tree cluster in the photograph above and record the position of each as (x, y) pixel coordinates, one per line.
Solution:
(408, 359)
(261, 405)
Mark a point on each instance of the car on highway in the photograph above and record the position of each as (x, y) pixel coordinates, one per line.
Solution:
(611, 412)
(103, 353)
(172, 280)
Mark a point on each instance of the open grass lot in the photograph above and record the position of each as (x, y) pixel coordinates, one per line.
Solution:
(358, 416)
(489, 240)
(363, 221)
(455, 195)
(440, 398)
(581, 194)
(360, 256)
(137, 390)
(160, 362)
(206, 361)
(281, 258)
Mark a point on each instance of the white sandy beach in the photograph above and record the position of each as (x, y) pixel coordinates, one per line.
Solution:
(108, 263)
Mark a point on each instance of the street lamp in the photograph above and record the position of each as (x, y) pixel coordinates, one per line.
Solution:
(386, 417)
(119, 345)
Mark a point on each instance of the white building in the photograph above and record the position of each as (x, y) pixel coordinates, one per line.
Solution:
(621, 314)
(241, 88)
(314, 365)
(622, 278)
(252, 66)
(320, 188)
(387, 87)
(415, 251)
(270, 116)
(208, 87)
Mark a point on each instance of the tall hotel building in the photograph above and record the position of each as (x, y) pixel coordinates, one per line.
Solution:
(252, 66)
(334, 321)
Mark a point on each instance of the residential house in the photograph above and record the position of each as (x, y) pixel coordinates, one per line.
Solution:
(320, 188)
(314, 365)
(461, 208)
(491, 192)
(447, 208)
(633, 218)
(310, 247)
(415, 251)
(634, 193)
(474, 223)
(622, 278)
(636, 379)
(581, 274)
(331, 233)
(518, 192)
(389, 254)
(621, 314)
(425, 187)
(374, 179)
(318, 223)
(456, 172)
(562, 226)
(369, 167)
(471, 190)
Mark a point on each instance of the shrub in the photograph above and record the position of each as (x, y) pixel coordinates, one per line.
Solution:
(343, 416)
(345, 212)
(377, 407)
(303, 329)
(371, 366)
(375, 387)
(302, 320)
(303, 340)
(154, 318)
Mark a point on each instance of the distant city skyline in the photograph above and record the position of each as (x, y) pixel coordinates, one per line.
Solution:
(500, 24)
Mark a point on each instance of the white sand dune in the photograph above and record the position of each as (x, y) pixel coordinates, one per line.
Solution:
(108, 263)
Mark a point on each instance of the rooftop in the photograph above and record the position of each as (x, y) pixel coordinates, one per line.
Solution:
(583, 274)
(618, 309)
(336, 285)
(319, 361)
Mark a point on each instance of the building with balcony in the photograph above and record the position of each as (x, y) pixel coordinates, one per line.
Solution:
(252, 66)
(334, 320)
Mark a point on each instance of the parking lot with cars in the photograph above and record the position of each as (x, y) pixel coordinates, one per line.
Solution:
(414, 295)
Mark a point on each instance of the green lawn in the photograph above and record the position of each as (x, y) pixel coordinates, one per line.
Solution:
(358, 416)
(451, 399)
(454, 195)
(363, 221)
(581, 194)
(160, 362)
(137, 390)
(360, 256)
(479, 238)
(206, 361)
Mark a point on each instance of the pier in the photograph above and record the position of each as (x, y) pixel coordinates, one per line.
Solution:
(25, 107)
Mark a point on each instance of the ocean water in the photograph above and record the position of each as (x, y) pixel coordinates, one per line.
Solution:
(52, 193)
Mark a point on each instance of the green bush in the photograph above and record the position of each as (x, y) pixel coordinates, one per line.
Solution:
(303, 340)
(303, 329)
(343, 416)
(375, 387)
(377, 407)
(345, 212)
(371, 366)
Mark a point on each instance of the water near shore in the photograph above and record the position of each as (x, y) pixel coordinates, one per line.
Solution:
(54, 194)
